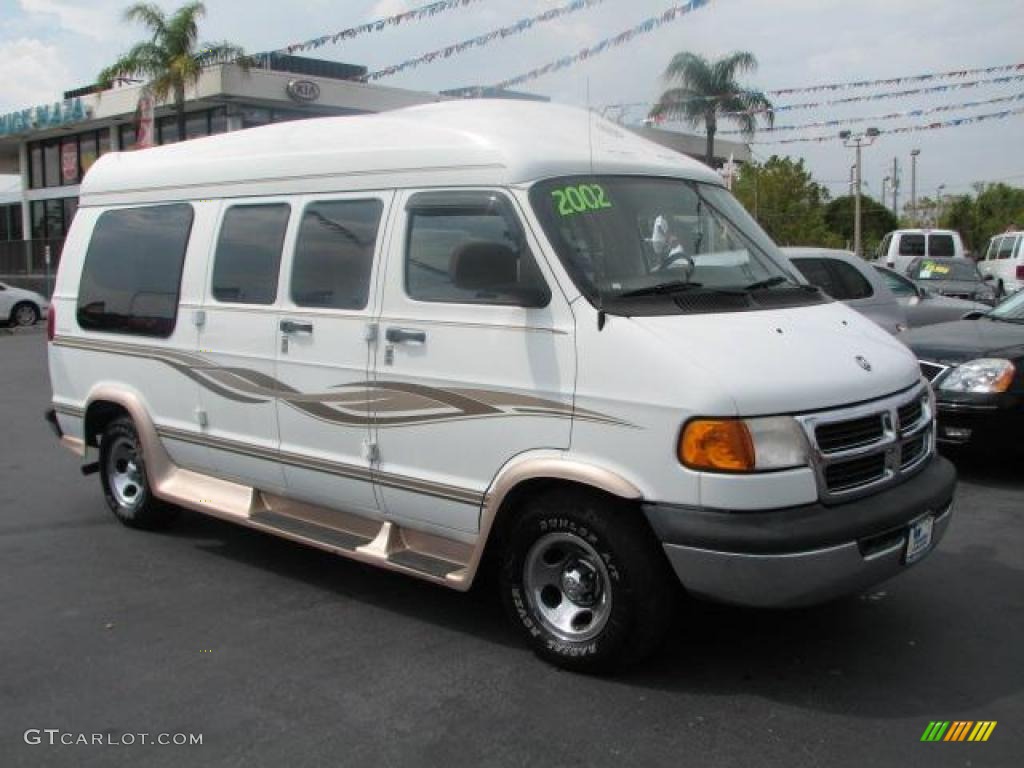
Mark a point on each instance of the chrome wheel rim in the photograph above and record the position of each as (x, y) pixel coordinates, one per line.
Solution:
(24, 315)
(567, 586)
(127, 483)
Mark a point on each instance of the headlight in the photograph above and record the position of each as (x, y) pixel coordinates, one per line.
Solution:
(743, 445)
(984, 375)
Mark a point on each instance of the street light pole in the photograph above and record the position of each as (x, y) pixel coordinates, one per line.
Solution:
(858, 141)
(938, 203)
(913, 182)
(885, 186)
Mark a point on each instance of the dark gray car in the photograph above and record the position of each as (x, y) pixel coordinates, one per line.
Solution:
(850, 279)
(922, 306)
(958, 278)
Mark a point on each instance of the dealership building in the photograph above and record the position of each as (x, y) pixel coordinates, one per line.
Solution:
(51, 146)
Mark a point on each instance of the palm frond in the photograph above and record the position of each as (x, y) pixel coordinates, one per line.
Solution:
(149, 15)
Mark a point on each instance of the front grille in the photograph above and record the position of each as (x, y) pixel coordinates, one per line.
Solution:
(862, 449)
(908, 415)
(929, 370)
(847, 475)
(843, 435)
(911, 451)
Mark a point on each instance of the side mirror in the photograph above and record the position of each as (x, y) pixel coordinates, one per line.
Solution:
(489, 268)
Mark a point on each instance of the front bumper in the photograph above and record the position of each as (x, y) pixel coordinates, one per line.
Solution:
(802, 555)
(973, 419)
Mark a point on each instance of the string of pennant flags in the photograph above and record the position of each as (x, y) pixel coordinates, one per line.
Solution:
(889, 116)
(415, 14)
(956, 73)
(953, 123)
(674, 13)
(501, 33)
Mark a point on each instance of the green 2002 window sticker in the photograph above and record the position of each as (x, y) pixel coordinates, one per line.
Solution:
(580, 198)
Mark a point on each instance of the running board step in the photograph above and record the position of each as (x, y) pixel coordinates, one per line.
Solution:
(330, 537)
(423, 563)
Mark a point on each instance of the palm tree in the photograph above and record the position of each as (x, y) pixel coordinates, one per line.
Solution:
(702, 91)
(171, 59)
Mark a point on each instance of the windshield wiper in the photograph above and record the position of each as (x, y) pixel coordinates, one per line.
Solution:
(771, 282)
(653, 290)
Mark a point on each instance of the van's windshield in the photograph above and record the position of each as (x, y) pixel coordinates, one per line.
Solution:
(649, 245)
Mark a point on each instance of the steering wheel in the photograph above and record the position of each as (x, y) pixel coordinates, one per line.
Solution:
(669, 259)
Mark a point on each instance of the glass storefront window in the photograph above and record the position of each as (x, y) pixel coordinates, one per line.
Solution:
(51, 163)
(127, 137)
(35, 160)
(104, 136)
(218, 120)
(167, 130)
(38, 220)
(87, 151)
(69, 161)
(197, 124)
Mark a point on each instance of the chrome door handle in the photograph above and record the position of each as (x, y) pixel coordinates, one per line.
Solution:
(291, 326)
(399, 335)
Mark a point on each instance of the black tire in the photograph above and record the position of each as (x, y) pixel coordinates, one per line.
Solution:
(125, 481)
(640, 586)
(24, 314)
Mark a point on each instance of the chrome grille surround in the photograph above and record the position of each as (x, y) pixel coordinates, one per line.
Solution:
(890, 445)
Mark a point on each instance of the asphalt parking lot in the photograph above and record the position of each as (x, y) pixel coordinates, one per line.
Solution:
(281, 655)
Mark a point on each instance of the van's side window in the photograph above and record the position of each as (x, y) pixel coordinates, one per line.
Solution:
(248, 257)
(132, 273)
(334, 254)
(993, 249)
(1006, 247)
(468, 247)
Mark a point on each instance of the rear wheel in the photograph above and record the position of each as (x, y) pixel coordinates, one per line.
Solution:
(125, 483)
(24, 314)
(585, 580)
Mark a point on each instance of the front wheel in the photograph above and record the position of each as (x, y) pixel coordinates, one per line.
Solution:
(586, 581)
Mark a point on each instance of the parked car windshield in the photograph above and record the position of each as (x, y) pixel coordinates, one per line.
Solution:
(1012, 309)
(632, 237)
(944, 269)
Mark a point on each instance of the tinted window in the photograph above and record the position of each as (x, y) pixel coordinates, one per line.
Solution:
(817, 273)
(941, 245)
(853, 284)
(248, 257)
(1006, 247)
(911, 245)
(897, 284)
(132, 273)
(468, 247)
(334, 254)
(883, 247)
(993, 248)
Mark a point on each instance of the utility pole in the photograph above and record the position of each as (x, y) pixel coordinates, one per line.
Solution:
(913, 183)
(885, 187)
(895, 188)
(938, 203)
(858, 141)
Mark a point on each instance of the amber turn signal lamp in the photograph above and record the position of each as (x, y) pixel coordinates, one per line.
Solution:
(719, 445)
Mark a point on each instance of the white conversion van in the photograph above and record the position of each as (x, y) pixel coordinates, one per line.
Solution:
(423, 337)
(1003, 263)
(901, 247)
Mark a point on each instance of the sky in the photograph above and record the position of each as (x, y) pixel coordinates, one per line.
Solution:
(48, 46)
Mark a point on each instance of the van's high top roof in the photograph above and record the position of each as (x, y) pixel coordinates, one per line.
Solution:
(472, 142)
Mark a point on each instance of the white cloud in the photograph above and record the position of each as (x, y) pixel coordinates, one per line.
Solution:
(32, 72)
(90, 18)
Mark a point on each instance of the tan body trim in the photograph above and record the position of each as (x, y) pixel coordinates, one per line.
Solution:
(384, 543)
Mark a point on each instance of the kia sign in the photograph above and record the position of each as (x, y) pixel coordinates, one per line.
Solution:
(303, 90)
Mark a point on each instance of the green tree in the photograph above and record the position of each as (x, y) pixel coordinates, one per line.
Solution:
(783, 196)
(702, 91)
(172, 58)
(990, 210)
(876, 220)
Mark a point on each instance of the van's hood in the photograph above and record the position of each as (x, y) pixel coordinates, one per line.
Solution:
(789, 360)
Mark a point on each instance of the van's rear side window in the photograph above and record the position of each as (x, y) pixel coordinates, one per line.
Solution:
(132, 273)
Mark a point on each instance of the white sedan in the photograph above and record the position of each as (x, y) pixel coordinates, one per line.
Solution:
(21, 307)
